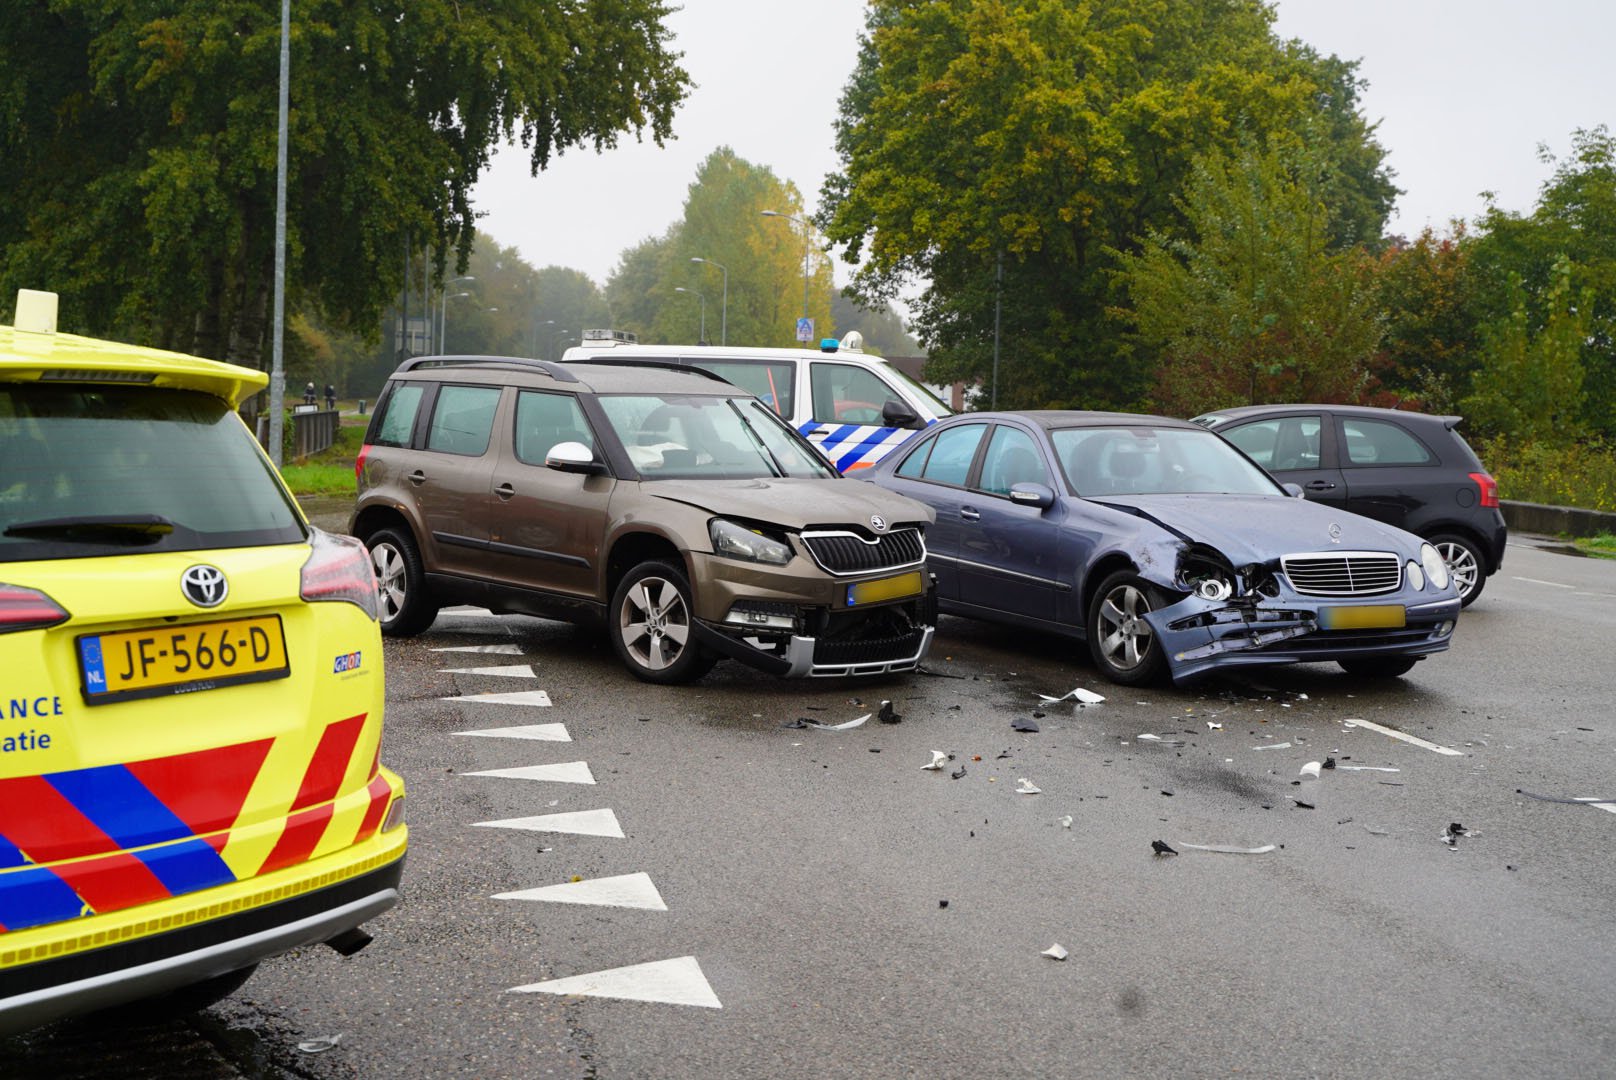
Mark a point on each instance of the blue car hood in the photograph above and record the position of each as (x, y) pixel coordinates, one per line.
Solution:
(1257, 528)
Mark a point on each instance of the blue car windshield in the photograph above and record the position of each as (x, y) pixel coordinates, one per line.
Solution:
(1101, 461)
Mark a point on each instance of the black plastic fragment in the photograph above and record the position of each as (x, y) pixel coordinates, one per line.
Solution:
(1023, 724)
(887, 716)
(1160, 848)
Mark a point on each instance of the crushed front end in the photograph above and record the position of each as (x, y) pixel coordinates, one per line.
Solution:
(1300, 608)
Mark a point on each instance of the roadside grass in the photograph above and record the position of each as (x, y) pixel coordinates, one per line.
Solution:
(330, 472)
(1581, 475)
(1602, 546)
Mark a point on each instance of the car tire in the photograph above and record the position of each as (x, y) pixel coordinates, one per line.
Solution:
(1465, 564)
(1123, 646)
(406, 607)
(652, 624)
(1378, 667)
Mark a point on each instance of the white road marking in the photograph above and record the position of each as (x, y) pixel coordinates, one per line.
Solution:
(1594, 802)
(513, 671)
(566, 772)
(540, 732)
(627, 890)
(668, 982)
(1416, 740)
(521, 697)
(1550, 584)
(579, 822)
(506, 649)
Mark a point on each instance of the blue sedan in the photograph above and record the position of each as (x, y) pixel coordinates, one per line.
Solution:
(1163, 546)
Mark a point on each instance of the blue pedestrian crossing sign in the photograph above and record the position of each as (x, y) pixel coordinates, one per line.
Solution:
(805, 329)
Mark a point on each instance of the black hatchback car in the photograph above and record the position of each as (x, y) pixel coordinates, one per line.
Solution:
(1408, 469)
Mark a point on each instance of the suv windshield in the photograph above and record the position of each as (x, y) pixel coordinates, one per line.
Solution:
(93, 470)
(686, 437)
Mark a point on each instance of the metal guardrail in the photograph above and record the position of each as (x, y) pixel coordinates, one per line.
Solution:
(312, 432)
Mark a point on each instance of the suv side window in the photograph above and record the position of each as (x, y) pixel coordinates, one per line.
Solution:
(1377, 442)
(543, 420)
(463, 419)
(1286, 442)
(397, 421)
(844, 394)
(1012, 458)
(947, 458)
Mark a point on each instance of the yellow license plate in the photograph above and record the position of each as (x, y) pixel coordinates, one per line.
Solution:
(874, 592)
(1365, 617)
(181, 659)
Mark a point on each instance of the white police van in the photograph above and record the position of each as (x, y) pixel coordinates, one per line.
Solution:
(856, 408)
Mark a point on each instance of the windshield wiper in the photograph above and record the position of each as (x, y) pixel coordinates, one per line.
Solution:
(96, 529)
(757, 439)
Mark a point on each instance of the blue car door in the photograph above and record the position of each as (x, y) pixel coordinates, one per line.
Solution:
(1008, 552)
(934, 473)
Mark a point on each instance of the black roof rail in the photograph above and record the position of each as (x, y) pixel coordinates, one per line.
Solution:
(665, 363)
(558, 372)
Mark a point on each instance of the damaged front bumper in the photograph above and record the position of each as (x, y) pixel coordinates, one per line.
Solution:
(1198, 635)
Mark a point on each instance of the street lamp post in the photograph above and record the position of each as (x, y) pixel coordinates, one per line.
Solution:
(702, 337)
(443, 312)
(806, 246)
(559, 335)
(536, 325)
(723, 316)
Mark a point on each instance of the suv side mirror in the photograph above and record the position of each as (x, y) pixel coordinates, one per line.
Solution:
(573, 457)
(896, 414)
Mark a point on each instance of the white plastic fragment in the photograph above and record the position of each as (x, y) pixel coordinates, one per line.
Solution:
(1227, 850)
(1148, 737)
(938, 759)
(838, 727)
(1078, 694)
(1274, 746)
(1368, 768)
(320, 1045)
(1065, 821)
(1027, 787)
(1312, 769)
(1214, 725)
(1055, 952)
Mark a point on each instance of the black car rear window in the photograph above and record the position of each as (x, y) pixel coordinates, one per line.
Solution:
(99, 470)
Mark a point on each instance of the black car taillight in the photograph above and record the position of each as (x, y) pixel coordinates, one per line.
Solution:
(28, 609)
(1489, 489)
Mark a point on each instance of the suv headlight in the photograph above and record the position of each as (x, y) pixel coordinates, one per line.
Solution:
(736, 541)
(1436, 567)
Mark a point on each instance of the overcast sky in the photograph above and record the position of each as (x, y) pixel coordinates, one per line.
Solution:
(1463, 90)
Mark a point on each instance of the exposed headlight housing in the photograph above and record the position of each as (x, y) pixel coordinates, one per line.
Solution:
(736, 541)
(1436, 567)
(1416, 576)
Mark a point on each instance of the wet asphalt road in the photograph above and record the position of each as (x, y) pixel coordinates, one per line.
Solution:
(806, 871)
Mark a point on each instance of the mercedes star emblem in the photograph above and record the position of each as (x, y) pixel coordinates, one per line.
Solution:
(1335, 533)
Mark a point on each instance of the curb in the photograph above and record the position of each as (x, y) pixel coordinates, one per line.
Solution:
(1556, 520)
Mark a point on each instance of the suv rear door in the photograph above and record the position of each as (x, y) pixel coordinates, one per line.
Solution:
(1297, 448)
(452, 481)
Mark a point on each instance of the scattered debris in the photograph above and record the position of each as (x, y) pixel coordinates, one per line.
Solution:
(1372, 831)
(1311, 769)
(937, 674)
(942, 904)
(804, 722)
(1227, 850)
(1079, 695)
(957, 773)
(1300, 805)
(1160, 848)
(1148, 737)
(320, 1045)
(1329, 763)
(1027, 787)
(1214, 725)
(938, 758)
(1594, 801)
(1023, 724)
(887, 716)
(1450, 835)
(1274, 746)
(1065, 821)
(1055, 952)
(1002, 754)
(1368, 768)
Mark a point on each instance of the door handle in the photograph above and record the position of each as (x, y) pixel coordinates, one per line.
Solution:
(505, 490)
(969, 514)
(417, 477)
(1320, 485)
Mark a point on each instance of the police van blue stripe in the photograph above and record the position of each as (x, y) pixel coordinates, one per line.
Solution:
(838, 435)
(880, 437)
(186, 867)
(119, 805)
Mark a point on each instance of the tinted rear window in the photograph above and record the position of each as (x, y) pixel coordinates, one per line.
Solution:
(128, 454)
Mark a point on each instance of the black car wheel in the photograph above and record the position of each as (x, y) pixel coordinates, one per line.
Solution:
(1122, 643)
(407, 609)
(653, 626)
(1464, 564)
(1378, 667)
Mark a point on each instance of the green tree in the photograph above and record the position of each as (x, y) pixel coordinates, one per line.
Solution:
(1529, 384)
(1433, 316)
(1251, 306)
(140, 145)
(1038, 139)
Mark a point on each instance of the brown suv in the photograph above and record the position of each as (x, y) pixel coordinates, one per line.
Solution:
(670, 506)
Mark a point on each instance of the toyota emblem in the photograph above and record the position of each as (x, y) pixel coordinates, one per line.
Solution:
(1335, 533)
(204, 585)
(878, 523)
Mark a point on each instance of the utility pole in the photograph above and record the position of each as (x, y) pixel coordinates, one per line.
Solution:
(277, 369)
